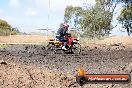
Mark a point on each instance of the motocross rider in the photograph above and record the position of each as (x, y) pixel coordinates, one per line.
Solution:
(62, 31)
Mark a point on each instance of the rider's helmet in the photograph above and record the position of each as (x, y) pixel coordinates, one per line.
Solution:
(65, 25)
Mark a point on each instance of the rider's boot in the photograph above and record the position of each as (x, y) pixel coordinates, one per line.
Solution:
(64, 48)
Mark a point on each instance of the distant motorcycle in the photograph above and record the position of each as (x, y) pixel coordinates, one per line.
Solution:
(72, 46)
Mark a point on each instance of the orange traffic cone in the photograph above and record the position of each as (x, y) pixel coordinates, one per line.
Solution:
(81, 71)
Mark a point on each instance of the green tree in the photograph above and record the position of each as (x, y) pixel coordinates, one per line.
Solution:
(72, 15)
(126, 19)
(6, 29)
(126, 16)
(94, 21)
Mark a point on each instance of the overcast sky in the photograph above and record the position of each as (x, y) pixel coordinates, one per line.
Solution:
(29, 15)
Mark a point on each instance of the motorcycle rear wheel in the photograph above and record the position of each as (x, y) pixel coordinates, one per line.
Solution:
(50, 49)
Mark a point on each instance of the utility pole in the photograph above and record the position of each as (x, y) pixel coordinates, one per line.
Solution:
(48, 22)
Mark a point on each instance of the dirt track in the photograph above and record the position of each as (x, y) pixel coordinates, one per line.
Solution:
(35, 69)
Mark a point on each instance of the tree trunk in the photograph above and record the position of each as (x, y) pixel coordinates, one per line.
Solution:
(128, 32)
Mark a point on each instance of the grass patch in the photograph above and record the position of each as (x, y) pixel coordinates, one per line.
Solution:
(3, 46)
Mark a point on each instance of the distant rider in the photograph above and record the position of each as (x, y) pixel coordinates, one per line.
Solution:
(62, 31)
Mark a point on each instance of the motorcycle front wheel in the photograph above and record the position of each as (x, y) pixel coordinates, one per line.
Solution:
(76, 48)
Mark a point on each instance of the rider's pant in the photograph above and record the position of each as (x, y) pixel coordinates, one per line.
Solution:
(62, 39)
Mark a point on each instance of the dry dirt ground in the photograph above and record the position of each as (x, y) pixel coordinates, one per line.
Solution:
(116, 39)
(35, 39)
(18, 39)
(28, 66)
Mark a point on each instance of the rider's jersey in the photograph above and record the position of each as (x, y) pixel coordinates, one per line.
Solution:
(62, 32)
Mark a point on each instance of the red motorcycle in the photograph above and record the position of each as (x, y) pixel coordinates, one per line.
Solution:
(72, 46)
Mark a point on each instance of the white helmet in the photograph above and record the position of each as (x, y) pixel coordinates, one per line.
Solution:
(66, 25)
